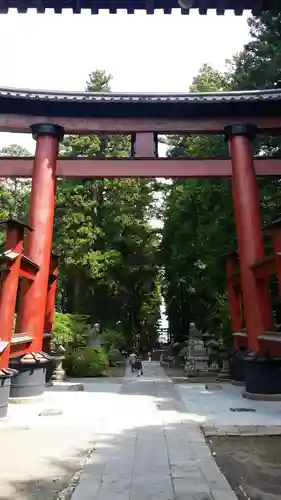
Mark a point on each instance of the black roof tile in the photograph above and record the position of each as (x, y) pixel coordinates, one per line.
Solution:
(130, 97)
(116, 104)
(130, 6)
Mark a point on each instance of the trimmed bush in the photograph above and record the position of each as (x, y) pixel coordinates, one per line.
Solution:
(86, 362)
(70, 330)
(115, 357)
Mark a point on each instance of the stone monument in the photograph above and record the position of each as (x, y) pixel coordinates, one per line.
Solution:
(94, 336)
(196, 359)
(212, 346)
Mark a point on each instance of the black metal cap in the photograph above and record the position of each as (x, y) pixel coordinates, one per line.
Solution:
(43, 129)
(231, 253)
(55, 253)
(245, 129)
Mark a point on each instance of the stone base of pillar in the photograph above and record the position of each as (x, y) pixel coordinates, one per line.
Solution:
(237, 362)
(261, 397)
(262, 377)
(5, 385)
(31, 377)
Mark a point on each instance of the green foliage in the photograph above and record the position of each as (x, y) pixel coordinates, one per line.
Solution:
(258, 66)
(115, 357)
(112, 340)
(198, 219)
(108, 265)
(70, 330)
(198, 216)
(86, 362)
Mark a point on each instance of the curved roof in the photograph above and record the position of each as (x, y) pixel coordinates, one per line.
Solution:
(113, 6)
(112, 104)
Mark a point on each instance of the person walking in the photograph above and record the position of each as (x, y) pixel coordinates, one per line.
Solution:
(149, 357)
(132, 360)
(138, 367)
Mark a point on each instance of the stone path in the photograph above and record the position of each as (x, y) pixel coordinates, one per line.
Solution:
(150, 448)
(212, 408)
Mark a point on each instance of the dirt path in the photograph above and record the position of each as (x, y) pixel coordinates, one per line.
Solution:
(252, 465)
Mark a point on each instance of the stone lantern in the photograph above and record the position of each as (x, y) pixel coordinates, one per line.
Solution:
(57, 352)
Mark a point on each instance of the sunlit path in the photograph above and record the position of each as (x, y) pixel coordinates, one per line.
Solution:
(149, 448)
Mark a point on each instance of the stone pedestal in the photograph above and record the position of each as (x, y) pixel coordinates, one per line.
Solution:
(237, 367)
(262, 377)
(31, 375)
(5, 385)
(196, 359)
(213, 355)
(225, 367)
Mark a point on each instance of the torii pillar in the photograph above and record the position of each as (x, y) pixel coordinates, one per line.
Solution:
(38, 245)
(256, 298)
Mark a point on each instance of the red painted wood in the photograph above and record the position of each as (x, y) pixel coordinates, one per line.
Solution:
(158, 167)
(258, 313)
(236, 281)
(32, 302)
(19, 349)
(28, 269)
(264, 268)
(214, 125)
(50, 302)
(51, 295)
(277, 252)
(144, 145)
(8, 287)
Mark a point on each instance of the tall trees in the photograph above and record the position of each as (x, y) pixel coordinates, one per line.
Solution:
(199, 224)
(258, 66)
(198, 216)
(108, 247)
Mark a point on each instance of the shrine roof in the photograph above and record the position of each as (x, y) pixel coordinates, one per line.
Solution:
(115, 104)
(130, 6)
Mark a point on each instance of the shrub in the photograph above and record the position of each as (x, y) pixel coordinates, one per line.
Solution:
(70, 330)
(112, 340)
(86, 362)
(115, 357)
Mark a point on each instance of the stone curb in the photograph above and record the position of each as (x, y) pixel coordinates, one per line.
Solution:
(241, 430)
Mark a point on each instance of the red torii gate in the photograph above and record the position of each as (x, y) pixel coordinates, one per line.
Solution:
(236, 115)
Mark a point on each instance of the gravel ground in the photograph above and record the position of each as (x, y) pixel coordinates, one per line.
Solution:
(252, 465)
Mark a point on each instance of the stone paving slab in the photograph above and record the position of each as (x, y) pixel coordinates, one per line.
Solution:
(43, 455)
(242, 430)
(213, 407)
(151, 448)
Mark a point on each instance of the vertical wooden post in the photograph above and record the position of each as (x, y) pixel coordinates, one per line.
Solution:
(234, 294)
(257, 306)
(50, 302)
(32, 304)
(145, 145)
(10, 271)
(276, 230)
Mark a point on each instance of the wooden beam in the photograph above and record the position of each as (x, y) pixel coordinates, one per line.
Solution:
(265, 267)
(100, 125)
(159, 167)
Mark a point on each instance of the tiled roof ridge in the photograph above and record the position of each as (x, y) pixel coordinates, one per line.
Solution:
(46, 95)
(134, 6)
